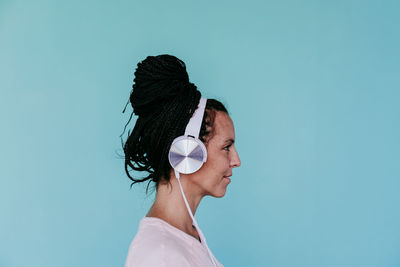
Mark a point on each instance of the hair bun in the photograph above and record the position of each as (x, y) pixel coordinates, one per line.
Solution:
(157, 79)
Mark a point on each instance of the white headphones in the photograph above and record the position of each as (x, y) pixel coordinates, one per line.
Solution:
(186, 155)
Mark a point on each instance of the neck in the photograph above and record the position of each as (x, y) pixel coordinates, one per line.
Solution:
(170, 206)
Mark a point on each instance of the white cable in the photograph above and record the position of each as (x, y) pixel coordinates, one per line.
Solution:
(202, 237)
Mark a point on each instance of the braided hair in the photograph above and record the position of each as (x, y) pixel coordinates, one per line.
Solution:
(164, 100)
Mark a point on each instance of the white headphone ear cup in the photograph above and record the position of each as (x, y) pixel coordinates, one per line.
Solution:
(187, 154)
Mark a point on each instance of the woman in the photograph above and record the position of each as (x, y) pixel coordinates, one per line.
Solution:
(167, 106)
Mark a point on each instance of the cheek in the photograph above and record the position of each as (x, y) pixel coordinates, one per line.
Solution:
(218, 162)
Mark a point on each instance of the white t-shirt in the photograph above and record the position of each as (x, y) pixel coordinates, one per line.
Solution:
(157, 243)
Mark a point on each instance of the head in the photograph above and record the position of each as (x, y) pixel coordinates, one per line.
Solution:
(164, 100)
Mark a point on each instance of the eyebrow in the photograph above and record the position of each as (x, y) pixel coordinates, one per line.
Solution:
(230, 140)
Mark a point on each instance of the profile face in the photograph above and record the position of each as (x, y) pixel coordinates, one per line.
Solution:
(222, 157)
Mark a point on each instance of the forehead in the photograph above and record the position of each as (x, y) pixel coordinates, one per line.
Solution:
(223, 127)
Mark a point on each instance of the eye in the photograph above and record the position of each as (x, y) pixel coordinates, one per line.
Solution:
(227, 148)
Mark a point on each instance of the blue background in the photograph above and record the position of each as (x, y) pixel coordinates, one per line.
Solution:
(313, 90)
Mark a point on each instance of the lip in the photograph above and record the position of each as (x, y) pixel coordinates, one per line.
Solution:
(227, 177)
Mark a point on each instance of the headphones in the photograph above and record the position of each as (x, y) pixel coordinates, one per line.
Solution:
(186, 155)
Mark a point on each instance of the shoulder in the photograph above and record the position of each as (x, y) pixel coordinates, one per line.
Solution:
(154, 245)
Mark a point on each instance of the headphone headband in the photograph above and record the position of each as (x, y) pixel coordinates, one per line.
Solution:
(194, 125)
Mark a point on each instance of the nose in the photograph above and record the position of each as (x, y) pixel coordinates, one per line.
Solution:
(235, 160)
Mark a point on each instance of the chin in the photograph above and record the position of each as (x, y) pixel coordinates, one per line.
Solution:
(219, 194)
